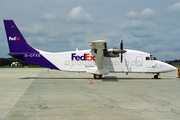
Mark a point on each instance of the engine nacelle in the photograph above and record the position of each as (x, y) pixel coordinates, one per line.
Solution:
(113, 53)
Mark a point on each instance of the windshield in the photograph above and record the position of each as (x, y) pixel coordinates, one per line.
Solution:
(151, 58)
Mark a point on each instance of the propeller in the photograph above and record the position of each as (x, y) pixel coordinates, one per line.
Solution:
(122, 51)
(116, 51)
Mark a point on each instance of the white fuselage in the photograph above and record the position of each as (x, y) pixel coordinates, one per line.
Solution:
(85, 61)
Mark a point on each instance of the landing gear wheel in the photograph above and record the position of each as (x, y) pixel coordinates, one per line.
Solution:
(97, 76)
(156, 76)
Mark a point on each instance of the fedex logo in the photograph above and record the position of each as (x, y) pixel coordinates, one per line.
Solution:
(85, 57)
(14, 38)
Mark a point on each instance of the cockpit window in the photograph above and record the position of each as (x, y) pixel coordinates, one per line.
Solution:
(155, 58)
(151, 58)
(147, 58)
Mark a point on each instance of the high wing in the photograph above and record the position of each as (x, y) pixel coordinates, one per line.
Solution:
(99, 46)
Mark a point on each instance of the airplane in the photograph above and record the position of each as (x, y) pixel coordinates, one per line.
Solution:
(97, 61)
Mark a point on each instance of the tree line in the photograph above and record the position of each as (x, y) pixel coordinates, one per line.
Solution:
(173, 62)
(8, 62)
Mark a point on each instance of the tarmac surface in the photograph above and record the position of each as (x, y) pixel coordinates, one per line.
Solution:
(39, 94)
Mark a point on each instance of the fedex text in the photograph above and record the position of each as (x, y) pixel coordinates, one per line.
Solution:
(85, 57)
(14, 38)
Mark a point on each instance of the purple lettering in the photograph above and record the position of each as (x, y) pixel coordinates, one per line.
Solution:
(73, 55)
(84, 57)
(78, 58)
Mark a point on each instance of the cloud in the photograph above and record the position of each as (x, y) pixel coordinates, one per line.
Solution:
(133, 24)
(166, 55)
(131, 14)
(48, 16)
(144, 13)
(35, 29)
(176, 6)
(147, 12)
(77, 14)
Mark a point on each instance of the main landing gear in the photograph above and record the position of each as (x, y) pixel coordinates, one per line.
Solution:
(156, 76)
(96, 76)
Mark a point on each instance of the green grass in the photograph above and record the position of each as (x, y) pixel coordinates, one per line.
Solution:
(176, 65)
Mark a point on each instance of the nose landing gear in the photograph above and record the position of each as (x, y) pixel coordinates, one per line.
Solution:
(156, 76)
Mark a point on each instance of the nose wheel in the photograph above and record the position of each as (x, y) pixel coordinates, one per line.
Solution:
(156, 76)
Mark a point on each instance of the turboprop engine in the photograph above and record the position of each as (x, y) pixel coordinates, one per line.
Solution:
(115, 52)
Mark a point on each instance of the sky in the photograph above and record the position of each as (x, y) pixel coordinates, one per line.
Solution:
(152, 26)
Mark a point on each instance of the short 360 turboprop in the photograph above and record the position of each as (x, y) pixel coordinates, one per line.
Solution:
(97, 61)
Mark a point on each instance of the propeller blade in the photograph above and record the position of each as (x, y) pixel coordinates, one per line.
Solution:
(121, 46)
(121, 57)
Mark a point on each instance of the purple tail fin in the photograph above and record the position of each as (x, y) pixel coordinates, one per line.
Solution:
(21, 50)
(16, 41)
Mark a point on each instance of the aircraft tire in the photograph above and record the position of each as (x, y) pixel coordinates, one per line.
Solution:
(96, 76)
(155, 76)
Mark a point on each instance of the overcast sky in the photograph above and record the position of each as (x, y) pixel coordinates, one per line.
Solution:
(151, 26)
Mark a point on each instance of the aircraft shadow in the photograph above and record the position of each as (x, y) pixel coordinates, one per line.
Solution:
(110, 79)
(117, 79)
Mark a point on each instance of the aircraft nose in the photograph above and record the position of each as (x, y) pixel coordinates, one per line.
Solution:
(174, 68)
(171, 68)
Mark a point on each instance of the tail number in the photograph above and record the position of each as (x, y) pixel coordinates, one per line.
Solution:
(32, 55)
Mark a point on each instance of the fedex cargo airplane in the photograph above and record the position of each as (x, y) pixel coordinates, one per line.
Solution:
(97, 61)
